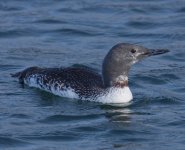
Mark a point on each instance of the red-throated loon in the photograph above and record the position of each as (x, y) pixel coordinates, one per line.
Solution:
(86, 84)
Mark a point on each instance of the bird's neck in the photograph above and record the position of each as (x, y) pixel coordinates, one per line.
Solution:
(120, 82)
(116, 79)
(115, 70)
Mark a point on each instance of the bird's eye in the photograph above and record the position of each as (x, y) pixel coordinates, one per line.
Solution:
(133, 51)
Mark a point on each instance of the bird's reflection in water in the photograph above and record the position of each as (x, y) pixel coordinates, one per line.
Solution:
(115, 113)
(119, 113)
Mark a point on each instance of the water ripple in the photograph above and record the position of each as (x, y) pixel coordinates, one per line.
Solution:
(76, 32)
(64, 118)
(6, 142)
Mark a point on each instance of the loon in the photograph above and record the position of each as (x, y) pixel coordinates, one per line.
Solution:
(81, 82)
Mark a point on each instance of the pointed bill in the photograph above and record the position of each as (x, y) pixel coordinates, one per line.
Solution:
(153, 52)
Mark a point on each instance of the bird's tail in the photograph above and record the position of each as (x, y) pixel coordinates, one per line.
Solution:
(23, 74)
(16, 75)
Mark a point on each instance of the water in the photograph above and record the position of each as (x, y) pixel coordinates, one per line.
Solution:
(61, 33)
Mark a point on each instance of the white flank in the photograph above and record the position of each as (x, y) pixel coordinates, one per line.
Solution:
(67, 92)
(111, 95)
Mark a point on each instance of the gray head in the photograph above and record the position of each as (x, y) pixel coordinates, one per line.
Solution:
(120, 58)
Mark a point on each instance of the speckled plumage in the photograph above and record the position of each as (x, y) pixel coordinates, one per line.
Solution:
(83, 80)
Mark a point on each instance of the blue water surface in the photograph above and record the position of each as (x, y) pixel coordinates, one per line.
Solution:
(65, 32)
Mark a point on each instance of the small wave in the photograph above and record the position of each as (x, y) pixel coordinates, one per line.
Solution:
(50, 21)
(141, 24)
(154, 80)
(6, 142)
(10, 8)
(74, 32)
(180, 123)
(17, 33)
(181, 10)
(62, 137)
(20, 116)
(65, 118)
(142, 35)
(159, 100)
(87, 129)
(126, 132)
(11, 33)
